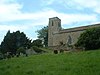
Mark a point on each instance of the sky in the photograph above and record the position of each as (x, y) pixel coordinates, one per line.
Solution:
(28, 16)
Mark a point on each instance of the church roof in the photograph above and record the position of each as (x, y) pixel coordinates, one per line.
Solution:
(79, 28)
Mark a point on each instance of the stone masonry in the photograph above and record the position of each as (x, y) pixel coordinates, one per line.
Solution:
(58, 36)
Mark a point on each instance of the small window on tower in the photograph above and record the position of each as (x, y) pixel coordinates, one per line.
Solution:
(59, 24)
(52, 23)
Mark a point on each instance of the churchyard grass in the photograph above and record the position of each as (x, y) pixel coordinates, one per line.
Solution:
(72, 63)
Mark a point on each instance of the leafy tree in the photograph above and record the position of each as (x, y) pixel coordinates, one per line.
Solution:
(21, 50)
(90, 39)
(13, 41)
(43, 34)
(37, 43)
(6, 46)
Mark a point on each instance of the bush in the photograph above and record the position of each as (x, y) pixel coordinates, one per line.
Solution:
(55, 52)
(90, 39)
(37, 43)
(21, 50)
(1, 56)
(38, 50)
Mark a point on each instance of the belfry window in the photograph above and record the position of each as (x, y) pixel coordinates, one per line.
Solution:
(52, 23)
(59, 24)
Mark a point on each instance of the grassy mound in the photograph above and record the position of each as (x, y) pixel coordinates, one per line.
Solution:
(76, 63)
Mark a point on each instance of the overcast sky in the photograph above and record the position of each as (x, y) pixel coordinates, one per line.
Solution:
(29, 16)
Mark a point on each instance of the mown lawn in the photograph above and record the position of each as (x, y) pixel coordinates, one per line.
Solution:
(75, 63)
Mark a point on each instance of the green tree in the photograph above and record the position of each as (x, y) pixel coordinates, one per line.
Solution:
(43, 34)
(90, 39)
(6, 46)
(21, 50)
(37, 43)
(13, 41)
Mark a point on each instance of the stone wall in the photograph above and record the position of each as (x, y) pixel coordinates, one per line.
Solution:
(66, 36)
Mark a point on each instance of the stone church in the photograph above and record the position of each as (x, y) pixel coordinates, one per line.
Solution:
(58, 36)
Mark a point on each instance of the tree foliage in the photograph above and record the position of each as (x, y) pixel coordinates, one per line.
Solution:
(37, 43)
(13, 41)
(21, 50)
(90, 39)
(37, 49)
(43, 34)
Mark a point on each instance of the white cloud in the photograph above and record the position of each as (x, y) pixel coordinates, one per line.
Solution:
(67, 18)
(72, 18)
(9, 7)
(47, 2)
(81, 4)
(97, 10)
(76, 4)
(12, 27)
(12, 12)
(86, 3)
(41, 18)
(92, 4)
(8, 10)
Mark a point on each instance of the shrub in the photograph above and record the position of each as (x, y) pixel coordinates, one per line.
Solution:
(90, 39)
(1, 56)
(55, 52)
(38, 50)
(37, 43)
(21, 50)
(61, 51)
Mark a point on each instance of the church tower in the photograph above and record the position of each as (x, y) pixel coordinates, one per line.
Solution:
(53, 28)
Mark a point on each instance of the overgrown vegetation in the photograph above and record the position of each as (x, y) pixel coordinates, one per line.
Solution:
(37, 43)
(90, 39)
(13, 41)
(43, 34)
(37, 49)
(17, 43)
(75, 63)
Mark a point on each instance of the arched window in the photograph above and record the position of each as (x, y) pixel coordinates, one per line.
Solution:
(69, 40)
